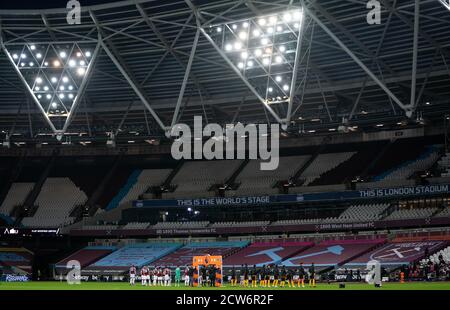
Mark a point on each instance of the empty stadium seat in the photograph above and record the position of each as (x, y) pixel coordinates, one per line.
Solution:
(180, 225)
(322, 164)
(196, 177)
(16, 197)
(255, 181)
(57, 199)
(146, 179)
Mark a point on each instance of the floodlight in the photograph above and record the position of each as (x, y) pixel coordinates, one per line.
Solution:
(234, 27)
(241, 65)
(282, 48)
(88, 54)
(82, 63)
(245, 25)
(56, 63)
(262, 22)
(258, 52)
(228, 47)
(54, 105)
(70, 96)
(63, 54)
(256, 33)
(46, 88)
(23, 56)
(270, 89)
(279, 59)
(287, 17)
(219, 29)
(270, 30)
(33, 47)
(15, 56)
(38, 80)
(250, 63)
(237, 45)
(285, 87)
(264, 41)
(54, 80)
(81, 71)
(48, 96)
(61, 96)
(31, 64)
(272, 20)
(279, 29)
(38, 55)
(62, 87)
(266, 61)
(278, 78)
(72, 63)
(244, 55)
(242, 35)
(70, 87)
(65, 79)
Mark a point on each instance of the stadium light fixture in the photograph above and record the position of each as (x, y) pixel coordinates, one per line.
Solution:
(269, 44)
(445, 3)
(54, 76)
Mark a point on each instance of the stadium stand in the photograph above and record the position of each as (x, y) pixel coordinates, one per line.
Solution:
(184, 255)
(136, 225)
(16, 260)
(194, 179)
(139, 254)
(363, 213)
(264, 253)
(254, 181)
(240, 224)
(16, 196)
(444, 163)
(332, 253)
(408, 168)
(395, 254)
(180, 225)
(86, 256)
(414, 213)
(138, 183)
(322, 164)
(57, 199)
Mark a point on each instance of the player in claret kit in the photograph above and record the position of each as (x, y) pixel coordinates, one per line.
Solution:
(160, 276)
(155, 276)
(132, 275)
(186, 276)
(145, 275)
(166, 275)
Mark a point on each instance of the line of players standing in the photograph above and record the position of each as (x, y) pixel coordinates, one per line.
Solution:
(273, 275)
(163, 276)
(158, 276)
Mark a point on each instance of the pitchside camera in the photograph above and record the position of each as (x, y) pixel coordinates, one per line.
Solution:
(341, 285)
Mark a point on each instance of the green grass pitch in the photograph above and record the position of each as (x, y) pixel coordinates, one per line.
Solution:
(126, 286)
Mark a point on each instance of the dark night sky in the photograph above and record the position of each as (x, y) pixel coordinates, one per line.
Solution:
(45, 4)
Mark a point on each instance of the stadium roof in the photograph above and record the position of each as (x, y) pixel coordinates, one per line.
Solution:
(151, 41)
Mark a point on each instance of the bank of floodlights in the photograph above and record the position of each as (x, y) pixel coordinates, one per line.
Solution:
(53, 73)
(264, 50)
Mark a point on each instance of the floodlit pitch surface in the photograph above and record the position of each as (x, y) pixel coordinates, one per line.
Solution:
(125, 286)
